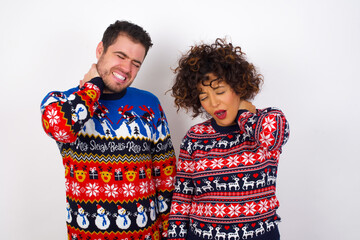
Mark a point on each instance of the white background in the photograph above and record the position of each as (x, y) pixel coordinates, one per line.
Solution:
(307, 50)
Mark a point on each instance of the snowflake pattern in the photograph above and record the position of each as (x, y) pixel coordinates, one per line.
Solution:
(53, 117)
(92, 189)
(61, 136)
(202, 164)
(144, 187)
(185, 209)
(75, 188)
(248, 158)
(111, 190)
(208, 209)
(128, 189)
(266, 138)
(249, 209)
(170, 182)
(234, 210)
(263, 206)
(269, 123)
(210, 130)
(198, 129)
(188, 166)
(220, 210)
(217, 163)
(233, 161)
(174, 208)
(67, 185)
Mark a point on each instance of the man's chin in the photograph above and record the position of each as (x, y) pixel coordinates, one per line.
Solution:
(109, 89)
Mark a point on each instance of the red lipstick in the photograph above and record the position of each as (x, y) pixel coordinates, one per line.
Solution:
(221, 114)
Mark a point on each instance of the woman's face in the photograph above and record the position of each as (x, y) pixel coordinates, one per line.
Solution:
(219, 100)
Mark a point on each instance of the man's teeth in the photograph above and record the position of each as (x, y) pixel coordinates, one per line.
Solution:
(118, 76)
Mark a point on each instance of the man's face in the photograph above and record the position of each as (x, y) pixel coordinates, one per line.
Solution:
(119, 65)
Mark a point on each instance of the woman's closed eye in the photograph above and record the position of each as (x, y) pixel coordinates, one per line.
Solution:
(202, 97)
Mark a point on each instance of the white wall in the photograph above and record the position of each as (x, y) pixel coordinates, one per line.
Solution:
(308, 52)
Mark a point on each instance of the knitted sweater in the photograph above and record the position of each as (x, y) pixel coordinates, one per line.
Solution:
(226, 178)
(118, 158)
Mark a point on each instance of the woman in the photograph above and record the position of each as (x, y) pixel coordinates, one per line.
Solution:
(227, 167)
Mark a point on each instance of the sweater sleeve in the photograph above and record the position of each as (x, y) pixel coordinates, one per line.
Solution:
(65, 113)
(184, 191)
(268, 127)
(164, 161)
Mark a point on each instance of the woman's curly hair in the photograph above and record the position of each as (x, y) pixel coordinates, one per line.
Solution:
(224, 61)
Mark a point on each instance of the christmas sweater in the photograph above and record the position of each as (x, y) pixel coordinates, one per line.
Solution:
(226, 179)
(118, 158)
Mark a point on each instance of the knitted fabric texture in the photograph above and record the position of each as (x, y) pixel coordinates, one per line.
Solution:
(118, 158)
(226, 179)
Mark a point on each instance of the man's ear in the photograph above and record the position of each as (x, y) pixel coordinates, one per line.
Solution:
(99, 50)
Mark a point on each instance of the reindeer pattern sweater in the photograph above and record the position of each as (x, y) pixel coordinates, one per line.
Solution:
(118, 158)
(226, 179)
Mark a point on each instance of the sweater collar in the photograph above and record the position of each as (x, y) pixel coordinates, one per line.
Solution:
(226, 129)
(113, 96)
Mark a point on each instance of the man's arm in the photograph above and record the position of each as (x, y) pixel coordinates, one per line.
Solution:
(65, 113)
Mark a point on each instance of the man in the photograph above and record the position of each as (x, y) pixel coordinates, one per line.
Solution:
(115, 144)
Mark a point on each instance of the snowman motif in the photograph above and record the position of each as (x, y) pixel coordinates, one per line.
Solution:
(122, 220)
(81, 218)
(142, 218)
(102, 221)
(152, 210)
(68, 214)
(162, 204)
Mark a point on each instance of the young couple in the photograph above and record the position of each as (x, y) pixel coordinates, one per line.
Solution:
(123, 180)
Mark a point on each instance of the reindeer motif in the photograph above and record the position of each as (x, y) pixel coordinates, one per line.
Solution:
(172, 232)
(234, 235)
(261, 229)
(197, 145)
(198, 231)
(219, 186)
(247, 233)
(261, 181)
(246, 183)
(177, 186)
(148, 115)
(236, 141)
(208, 233)
(208, 186)
(213, 143)
(186, 188)
(269, 225)
(219, 234)
(189, 147)
(271, 179)
(198, 190)
(234, 184)
(182, 230)
(222, 142)
(128, 116)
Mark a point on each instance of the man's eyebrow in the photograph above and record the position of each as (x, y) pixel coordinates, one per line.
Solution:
(124, 54)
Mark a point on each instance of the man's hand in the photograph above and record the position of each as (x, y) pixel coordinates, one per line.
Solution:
(247, 106)
(92, 73)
